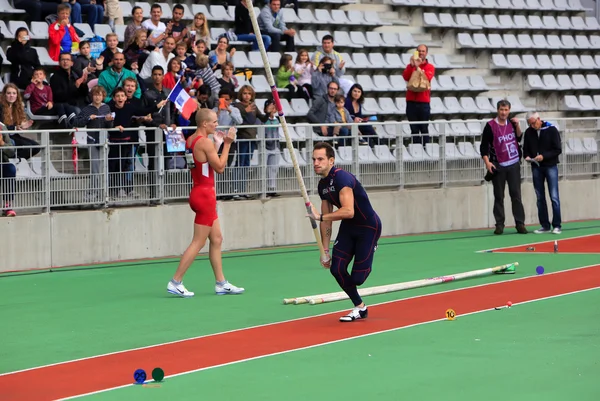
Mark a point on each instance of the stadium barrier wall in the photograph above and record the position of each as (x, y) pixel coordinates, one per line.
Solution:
(85, 237)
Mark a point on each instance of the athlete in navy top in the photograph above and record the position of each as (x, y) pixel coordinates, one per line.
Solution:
(359, 230)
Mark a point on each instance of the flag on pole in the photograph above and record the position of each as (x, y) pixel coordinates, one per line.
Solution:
(183, 101)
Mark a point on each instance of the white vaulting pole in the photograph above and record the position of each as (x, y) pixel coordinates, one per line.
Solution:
(283, 122)
(383, 289)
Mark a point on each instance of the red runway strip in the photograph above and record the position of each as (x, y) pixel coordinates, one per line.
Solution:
(588, 244)
(95, 374)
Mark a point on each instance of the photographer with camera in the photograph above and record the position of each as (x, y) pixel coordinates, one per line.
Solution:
(324, 74)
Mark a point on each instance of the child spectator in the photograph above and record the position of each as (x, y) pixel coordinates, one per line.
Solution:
(136, 51)
(272, 148)
(61, 34)
(228, 116)
(112, 43)
(227, 80)
(181, 54)
(286, 78)
(305, 68)
(120, 155)
(340, 115)
(84, 60)
(39, 94)
(96, 115)
(205, 73)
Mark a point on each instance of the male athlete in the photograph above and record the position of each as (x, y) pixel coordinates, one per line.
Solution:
(203, 161)
(359, 230)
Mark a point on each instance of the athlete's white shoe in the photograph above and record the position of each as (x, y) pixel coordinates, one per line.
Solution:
(228, 288)
(355, 314)
(179, 289)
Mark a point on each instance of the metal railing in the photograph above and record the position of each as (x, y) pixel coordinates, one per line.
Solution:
(81, 175)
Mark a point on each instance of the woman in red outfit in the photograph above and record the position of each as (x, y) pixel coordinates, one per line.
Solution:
(203, 160)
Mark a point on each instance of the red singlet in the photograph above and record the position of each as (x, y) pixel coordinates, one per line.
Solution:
(203, 197)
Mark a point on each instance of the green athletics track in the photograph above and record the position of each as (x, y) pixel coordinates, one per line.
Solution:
(91, 311)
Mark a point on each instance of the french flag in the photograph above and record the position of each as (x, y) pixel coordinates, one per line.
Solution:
(182, 100)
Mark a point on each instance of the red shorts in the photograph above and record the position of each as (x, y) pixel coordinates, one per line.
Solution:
(203, 201)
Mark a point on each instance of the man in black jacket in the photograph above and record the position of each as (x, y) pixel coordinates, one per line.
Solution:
(541, 148)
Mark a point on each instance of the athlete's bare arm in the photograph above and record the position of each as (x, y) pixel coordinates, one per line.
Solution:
(207, 149)
(347, 209)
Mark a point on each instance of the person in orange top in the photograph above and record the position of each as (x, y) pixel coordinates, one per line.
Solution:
(417, 103)
(61, 34)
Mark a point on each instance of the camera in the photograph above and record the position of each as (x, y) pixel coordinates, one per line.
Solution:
(327, 67)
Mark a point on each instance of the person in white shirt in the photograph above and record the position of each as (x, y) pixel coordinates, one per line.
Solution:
(157, 30)
(158, 57)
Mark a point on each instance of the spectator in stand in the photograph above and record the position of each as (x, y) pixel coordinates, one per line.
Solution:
(243, 27)
(39, 94)
(228, 116)
(321, 107)
(327, 50)
(305, 68)
(158, 57)
(13, 117)
(35, 10)
(112, 48)
(206, 76)
(136, 23)
(541, 149)
(339, 115)
(137, 50)
(96, 115)
(272, 147)
(199, 31)
(69, 90)
(114, 13)
(204, 97)
(61, 34)
(227, 80)
(8, 173)
(85, 61)
(354, 102)
(418, 103)
(220, 55)
(121, 149)
(271, 22)
(179, 31)
(323, 75)
(190, 62)
(23, 58)
(173, 75)
(246, 143)
(113, 77)
(287, 78)
(181, 55)
(155, 94)
(93, 10)
(157, 30)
